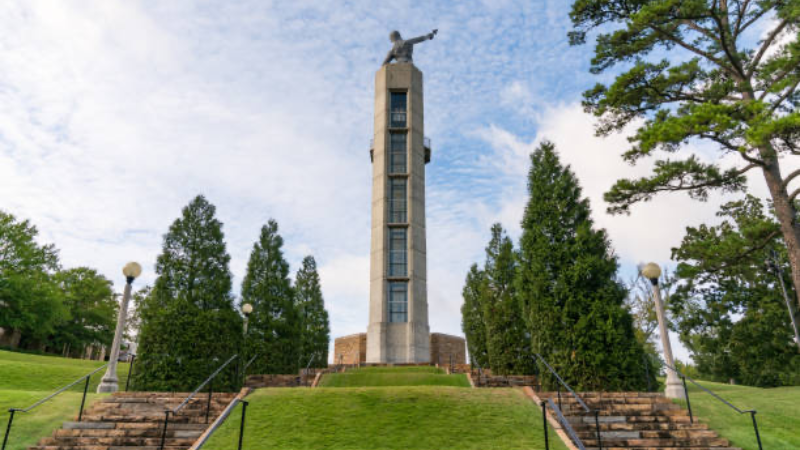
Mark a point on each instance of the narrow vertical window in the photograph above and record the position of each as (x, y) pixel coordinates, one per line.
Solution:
(398, 266)
(398, 301)
(398, 211)
(398, 110)
(397, 153)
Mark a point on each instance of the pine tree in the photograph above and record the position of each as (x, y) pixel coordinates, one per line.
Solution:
(472, 322)
(567, 284)
(506, 337)
(729, 310)
(315, 333)
(189, 325)
(274, 333)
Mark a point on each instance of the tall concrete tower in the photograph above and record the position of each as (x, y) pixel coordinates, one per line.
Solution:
(398, 308)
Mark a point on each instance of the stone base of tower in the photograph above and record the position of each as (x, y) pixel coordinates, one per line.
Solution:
(438, 348)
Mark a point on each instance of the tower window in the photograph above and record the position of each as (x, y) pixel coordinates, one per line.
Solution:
(398, 211)
(398, 109)
(398, 252)
(397, 153)
(398, 301)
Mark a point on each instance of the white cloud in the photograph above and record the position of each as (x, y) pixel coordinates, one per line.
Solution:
(115, 115)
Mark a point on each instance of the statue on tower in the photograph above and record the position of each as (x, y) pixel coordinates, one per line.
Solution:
(402, 50)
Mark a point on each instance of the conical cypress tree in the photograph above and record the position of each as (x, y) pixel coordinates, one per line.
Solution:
(274, 331)
(567, 283)
(472, 321)
(507, 342)
(189, 325)
(315, 333)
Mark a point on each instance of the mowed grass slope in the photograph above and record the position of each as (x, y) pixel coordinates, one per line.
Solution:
(778, 414)
(386, 418)
(25, 379)
(394, 376)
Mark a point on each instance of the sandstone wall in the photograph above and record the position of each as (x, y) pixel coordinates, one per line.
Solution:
(350, 349)
(445, 345)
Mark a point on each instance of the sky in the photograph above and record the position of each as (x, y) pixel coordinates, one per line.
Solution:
(115, 114)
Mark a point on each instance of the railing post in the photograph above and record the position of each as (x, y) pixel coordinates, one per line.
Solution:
(83, 400)
(688, 402)
(130, 373)
(647, 372)
(755, 428)
(241, 426)
(210, 393)
(544, 422)
(597, 428)
(559, 397)
(8, 427)
(164, 431)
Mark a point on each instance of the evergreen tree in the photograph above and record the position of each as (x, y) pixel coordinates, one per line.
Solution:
(92, 308)
(472, 322)
(189, 325)
(274, 333)
(696, 70)
(567, 284)
(31, 305)
(507, 342)
(729, 310)
(315, 333)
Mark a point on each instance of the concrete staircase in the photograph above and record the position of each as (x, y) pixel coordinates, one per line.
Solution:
(135, 420)
(636, 421)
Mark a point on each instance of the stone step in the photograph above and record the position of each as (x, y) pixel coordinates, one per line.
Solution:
(148, 418)
(662, 448)
(115, 440)
(105, 447)
(639, 434)
(677, 412)
(660, 443)
(128, 432)
(627, 419)
(642, 427)
(577, 409)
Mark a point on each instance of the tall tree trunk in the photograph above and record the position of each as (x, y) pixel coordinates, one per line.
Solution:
(786, 213)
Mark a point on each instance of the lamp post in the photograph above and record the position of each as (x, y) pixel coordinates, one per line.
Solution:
(109, 383)
(674, 389)
(247, 309)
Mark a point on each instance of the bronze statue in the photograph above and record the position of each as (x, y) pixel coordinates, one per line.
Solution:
(402, 50)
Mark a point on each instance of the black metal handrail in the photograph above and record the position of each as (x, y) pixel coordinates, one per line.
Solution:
(86, 377)
(564, 424)
(207, 435)
(563, 383)
(578, 398)
(685, 377)
(208, 381)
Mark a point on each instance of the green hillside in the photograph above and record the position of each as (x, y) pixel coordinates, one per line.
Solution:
(393, 376)
(25, 379)
(407, 418)
(778, 414)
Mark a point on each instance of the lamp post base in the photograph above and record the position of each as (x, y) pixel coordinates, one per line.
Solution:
(674, 389)
(108, 385)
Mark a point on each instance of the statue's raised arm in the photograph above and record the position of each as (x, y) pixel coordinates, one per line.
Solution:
(403, 50)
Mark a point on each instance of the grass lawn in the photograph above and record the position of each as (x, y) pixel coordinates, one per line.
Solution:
(778, 414)
(378, 418)
(25, 379)
(393, 376)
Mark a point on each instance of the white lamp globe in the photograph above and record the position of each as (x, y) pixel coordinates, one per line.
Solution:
(132, 270)
(651, 271)
(247, 308)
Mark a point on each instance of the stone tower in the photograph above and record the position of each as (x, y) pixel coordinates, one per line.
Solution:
(398, 308)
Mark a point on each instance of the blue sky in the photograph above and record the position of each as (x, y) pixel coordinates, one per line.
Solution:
(115, 114)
